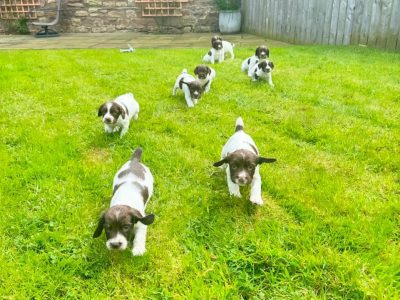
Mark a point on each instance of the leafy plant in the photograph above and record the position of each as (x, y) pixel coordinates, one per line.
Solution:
(19, 26)
(228, 4)
(22, 26)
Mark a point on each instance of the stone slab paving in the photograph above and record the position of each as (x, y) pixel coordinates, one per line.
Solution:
(122, 39)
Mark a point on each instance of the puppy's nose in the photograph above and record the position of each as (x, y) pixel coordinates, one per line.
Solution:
(107, 120)
(242, 179)
(115, 245)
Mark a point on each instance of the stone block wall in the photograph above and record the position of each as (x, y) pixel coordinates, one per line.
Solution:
(85, 16)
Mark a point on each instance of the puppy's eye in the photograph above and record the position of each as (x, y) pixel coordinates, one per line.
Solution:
(251, 168)
(126, 227)
(233, 167)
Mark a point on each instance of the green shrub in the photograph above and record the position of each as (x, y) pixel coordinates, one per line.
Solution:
(228, 4)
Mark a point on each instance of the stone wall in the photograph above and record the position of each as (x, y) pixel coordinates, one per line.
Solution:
(126, 15)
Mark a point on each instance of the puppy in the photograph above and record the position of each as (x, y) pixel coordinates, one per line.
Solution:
(262, 53)
(191, 87)
(206, 75)
(125, 219)
(262, 70)
(241, 156)
(117, 114)
(218, 50)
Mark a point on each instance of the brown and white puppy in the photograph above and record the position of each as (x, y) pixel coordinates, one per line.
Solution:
(241, 156)
(117, 114)
(218, 51)
(262, 53)
(262, 70)
(192, 88)
(206, 75)
(126, 219)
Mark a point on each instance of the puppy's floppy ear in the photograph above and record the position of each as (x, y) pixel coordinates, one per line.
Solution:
(271, 64)
(196, 70)
(267, 52)
(221, 162)
(137, 216)
(208, 70)
(100, 112)
(262, 160)
(100, 227)
(147, 220)
(121, 111)
(258, 51)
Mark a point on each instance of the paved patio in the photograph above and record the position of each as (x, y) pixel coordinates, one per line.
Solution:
(121, 39)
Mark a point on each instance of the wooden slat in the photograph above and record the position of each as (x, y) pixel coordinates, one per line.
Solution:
(292, 20)
(383, 28)
(334, 22)
(356, 26)
(341, 22)
(373, 30)
(303, 25)
(349, 19)
(393, 26)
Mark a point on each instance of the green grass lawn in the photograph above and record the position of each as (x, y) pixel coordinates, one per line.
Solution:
(330, 226)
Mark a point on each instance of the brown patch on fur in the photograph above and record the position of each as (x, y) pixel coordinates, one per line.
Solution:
(135, 168)
(143, 190)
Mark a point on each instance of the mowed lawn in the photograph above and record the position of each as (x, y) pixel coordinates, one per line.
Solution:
(330, 226)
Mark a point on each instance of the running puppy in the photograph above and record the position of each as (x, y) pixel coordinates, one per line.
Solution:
(192, 88)
(241, 156)
(262, 70)
(262, 53)
(126, 220)
(206, 75)
(218, 51)
(117, 114)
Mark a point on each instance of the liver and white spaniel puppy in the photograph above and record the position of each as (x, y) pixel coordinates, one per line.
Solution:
(206, 75)
(241, 156)
(117, 114)
(262, 70)
(218, 51)
(192, 88)
(126, 220)
(262, 53)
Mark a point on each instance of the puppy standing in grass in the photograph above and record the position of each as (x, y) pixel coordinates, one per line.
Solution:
(262, 71)
(125, 219)
(192, 88)
(206, 75)
(218, 51)
(262, 53)
(241, 156)
(117, 114)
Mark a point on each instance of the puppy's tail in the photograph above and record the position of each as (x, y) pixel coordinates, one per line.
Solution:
(137, 154)
(184, 71)
(239, 124)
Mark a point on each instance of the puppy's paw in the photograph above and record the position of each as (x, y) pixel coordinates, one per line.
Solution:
(123, 132)
(138, 251)
(235, 194)
(257, 200)
(116, 129)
